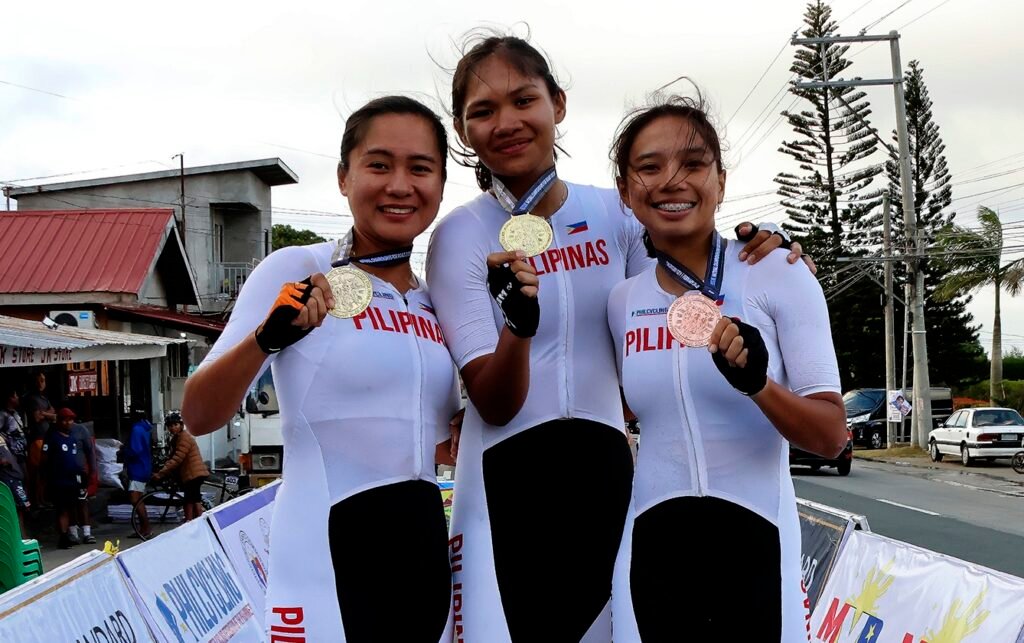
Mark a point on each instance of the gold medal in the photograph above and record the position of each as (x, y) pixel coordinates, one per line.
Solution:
(526, 232)
(352, 291)
(692, 319)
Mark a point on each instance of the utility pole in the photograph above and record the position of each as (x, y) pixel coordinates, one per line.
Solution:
(890, 340)
(181, 175)
(7, 193)
(922, 404)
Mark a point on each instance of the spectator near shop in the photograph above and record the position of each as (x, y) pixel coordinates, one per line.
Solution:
(11, 475)
(39, 415)
(68, 460)
(188, 463)
(138, 462)
(12, 426)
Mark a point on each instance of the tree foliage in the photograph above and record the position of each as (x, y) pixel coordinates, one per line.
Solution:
(954, 353)
(830, 197)
(972, 259)
(283, 236)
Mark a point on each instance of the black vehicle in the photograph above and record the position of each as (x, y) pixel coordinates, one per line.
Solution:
(843, 463)
(866, 410)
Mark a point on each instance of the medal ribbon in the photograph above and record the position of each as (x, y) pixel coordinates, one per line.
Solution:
(384, 258)
(530, 199)
(714, 271)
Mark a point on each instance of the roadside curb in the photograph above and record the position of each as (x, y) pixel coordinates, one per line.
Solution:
(929, 465)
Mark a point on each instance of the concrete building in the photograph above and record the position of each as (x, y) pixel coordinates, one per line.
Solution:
(227, 223)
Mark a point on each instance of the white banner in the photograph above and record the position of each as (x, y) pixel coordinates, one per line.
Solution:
(885, 591)
(83, 601)
(188, 589)
(243, 527)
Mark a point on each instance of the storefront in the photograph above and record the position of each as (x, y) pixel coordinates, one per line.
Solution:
(100, 374)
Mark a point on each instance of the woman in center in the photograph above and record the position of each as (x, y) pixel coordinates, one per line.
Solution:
(724, 366)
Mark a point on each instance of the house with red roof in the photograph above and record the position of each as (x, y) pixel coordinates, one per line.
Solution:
(158, 254)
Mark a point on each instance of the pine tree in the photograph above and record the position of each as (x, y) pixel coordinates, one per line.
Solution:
(825, 203)
(829, 202)
(954, 353)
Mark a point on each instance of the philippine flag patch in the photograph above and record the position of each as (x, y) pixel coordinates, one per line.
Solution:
(581, 226)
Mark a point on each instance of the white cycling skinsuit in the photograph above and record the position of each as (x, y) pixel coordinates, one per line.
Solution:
(540, 502)
(359, 519)
(713, 530)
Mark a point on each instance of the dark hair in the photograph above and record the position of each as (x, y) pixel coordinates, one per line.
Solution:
(515, 51)
(358, 123)
(693, 110)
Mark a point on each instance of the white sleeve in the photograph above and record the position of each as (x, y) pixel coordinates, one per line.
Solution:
(616, 321)
(792, 296)
(632, 242)
(258, 295)
(457, 280)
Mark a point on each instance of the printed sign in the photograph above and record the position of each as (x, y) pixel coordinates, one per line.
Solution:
(84, 601)
(187, 589)
(80, 382)
(885, 591)
(243, 528)
(899, 406)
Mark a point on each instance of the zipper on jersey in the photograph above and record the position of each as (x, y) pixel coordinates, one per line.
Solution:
(417, 428)
(698, 476)
(566, 400)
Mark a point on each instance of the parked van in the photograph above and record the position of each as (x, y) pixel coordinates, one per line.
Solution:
(866, 410)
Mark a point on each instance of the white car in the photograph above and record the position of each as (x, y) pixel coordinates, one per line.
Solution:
(988, 433)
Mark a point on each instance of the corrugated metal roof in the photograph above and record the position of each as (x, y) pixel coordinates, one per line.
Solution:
(30, 343)
(71, 251)
(34, 334)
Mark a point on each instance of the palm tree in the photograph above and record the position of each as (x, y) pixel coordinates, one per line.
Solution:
(975, 259)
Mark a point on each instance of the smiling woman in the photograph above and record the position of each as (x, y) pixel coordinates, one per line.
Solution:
(713, 475)
(364, 401)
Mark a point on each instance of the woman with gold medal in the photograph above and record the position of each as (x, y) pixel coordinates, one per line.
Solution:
(735, 363)
(366, 389)
(521, 277)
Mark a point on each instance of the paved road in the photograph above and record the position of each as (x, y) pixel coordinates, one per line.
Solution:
(965, 514)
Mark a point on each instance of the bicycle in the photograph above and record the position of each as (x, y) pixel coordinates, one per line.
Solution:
(165, 502)
(1017, 462)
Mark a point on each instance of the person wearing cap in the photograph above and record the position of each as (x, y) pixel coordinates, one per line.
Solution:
(138, 463)
(67, 458)
(188, 462)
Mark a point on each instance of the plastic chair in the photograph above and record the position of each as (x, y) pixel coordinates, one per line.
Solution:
(20, 560)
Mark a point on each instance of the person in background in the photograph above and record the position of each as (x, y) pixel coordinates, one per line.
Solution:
(12, 476)
(39, 414)
(66, 469)
(188, 462)
(12, 425)
(138, 463)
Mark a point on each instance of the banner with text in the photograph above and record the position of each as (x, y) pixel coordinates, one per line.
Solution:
(823, 531)
(243, 527)
(885, 591)
(83, 601)
(188, 589)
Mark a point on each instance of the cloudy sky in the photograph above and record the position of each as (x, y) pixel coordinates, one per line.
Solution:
(100, 89)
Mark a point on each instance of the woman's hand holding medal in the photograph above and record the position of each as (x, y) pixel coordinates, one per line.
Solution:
(739, 352)
(299, 308)
(513, 283)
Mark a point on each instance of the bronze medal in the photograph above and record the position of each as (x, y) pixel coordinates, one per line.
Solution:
(692, 319)
(352, 291)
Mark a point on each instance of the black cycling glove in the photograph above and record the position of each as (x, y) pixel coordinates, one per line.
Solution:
(522, 313)
(752, 378)
(277, 332)
(787, 242)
